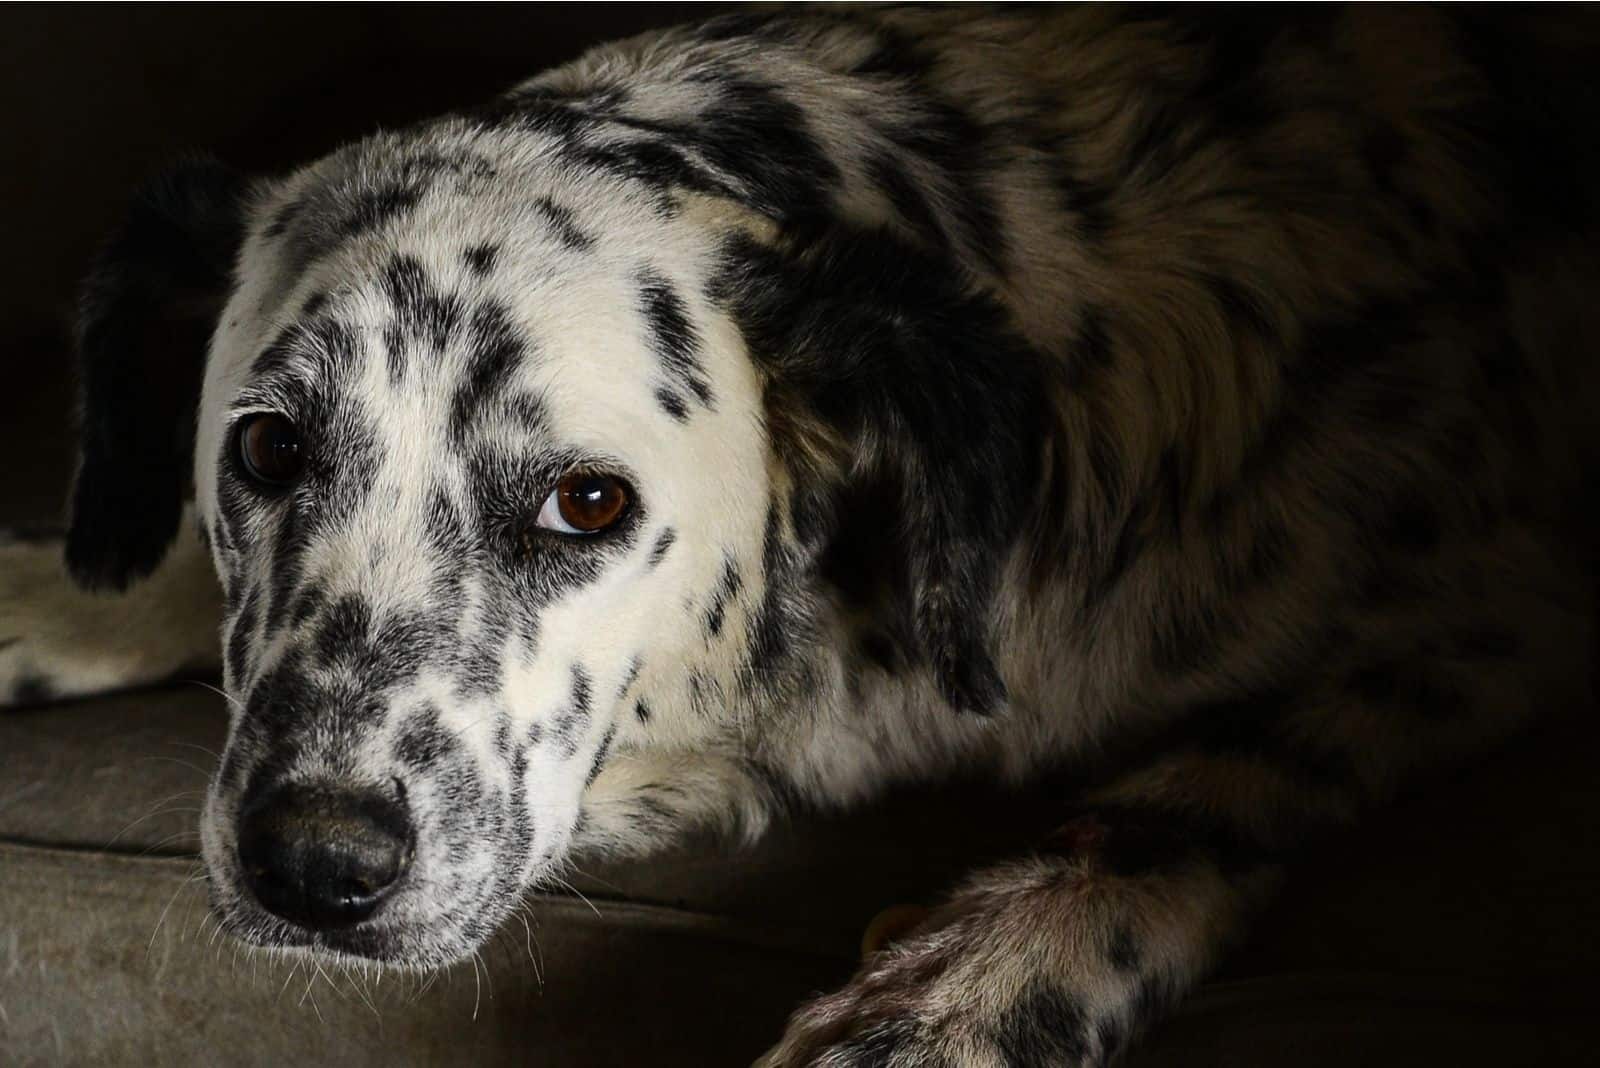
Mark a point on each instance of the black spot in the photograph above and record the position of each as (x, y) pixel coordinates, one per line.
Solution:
(444, 526)
(424, 744)
(635, 664)
(496, 351)
(672, 336)
(288, 547)
(344, 629)
(283, 218)
(641, 710)
(327, 345)
(1043, 1026)
(672, 404)
(423, 315)
(582, 688)
(727, 589)
(658, 552)
(480, 259)
(563, 222)
(377, 207)
(1089, 203)
(600, 755)
(573, 720)
(525, 411)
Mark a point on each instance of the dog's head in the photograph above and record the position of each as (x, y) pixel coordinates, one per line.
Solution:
(512, 467)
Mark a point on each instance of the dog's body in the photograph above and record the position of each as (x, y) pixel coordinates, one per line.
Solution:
(1198, 409)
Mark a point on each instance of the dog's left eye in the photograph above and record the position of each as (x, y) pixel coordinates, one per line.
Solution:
(584, 504)
(269, 446)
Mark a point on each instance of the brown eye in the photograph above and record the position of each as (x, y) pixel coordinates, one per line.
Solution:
(269, 449)
(584, 504)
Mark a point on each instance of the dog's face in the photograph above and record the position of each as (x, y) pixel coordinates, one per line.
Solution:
(521, 456)
(485, 479)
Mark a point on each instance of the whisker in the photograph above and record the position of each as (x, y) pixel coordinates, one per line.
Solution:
(579, 894)
(228, 697)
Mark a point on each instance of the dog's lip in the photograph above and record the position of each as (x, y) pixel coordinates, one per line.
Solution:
(373, 940)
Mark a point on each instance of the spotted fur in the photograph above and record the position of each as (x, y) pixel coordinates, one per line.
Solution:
(1195, 399)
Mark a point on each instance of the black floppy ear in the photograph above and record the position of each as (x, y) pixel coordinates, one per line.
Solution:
(936, 412)
(145, 320)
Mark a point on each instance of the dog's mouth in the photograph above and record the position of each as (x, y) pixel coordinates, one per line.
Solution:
(403, 939)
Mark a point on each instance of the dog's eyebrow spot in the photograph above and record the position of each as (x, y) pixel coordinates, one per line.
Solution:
(496, 350)
(672, 335)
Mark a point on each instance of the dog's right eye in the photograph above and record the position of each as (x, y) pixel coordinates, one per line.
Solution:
(269, 449)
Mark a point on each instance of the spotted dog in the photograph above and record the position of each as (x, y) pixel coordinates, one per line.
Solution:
(769, 412)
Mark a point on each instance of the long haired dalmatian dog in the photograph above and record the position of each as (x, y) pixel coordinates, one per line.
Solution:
(773, 411)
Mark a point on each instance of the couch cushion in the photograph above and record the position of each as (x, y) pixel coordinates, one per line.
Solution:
(1459, 922)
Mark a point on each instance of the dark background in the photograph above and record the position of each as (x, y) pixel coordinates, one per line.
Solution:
(96, 98)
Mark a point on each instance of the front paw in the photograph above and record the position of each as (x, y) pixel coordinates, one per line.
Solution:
(29, 570)
(937, 1000)
(58, 641)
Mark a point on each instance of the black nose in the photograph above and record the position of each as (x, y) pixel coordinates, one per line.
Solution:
(323, 857)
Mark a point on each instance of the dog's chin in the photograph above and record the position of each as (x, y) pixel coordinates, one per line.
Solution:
(389, 944)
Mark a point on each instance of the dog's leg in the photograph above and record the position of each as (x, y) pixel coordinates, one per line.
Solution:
(639, 803)
(1060, 958)
(58, 640)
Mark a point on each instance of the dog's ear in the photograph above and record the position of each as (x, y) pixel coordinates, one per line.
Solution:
(913, 418)
(147, 311)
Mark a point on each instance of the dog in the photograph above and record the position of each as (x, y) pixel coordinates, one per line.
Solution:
(768, 412)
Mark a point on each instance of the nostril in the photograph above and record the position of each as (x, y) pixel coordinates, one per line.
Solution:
(321, 856)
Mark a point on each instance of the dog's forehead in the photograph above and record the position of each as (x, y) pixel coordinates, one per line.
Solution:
(423, 255)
